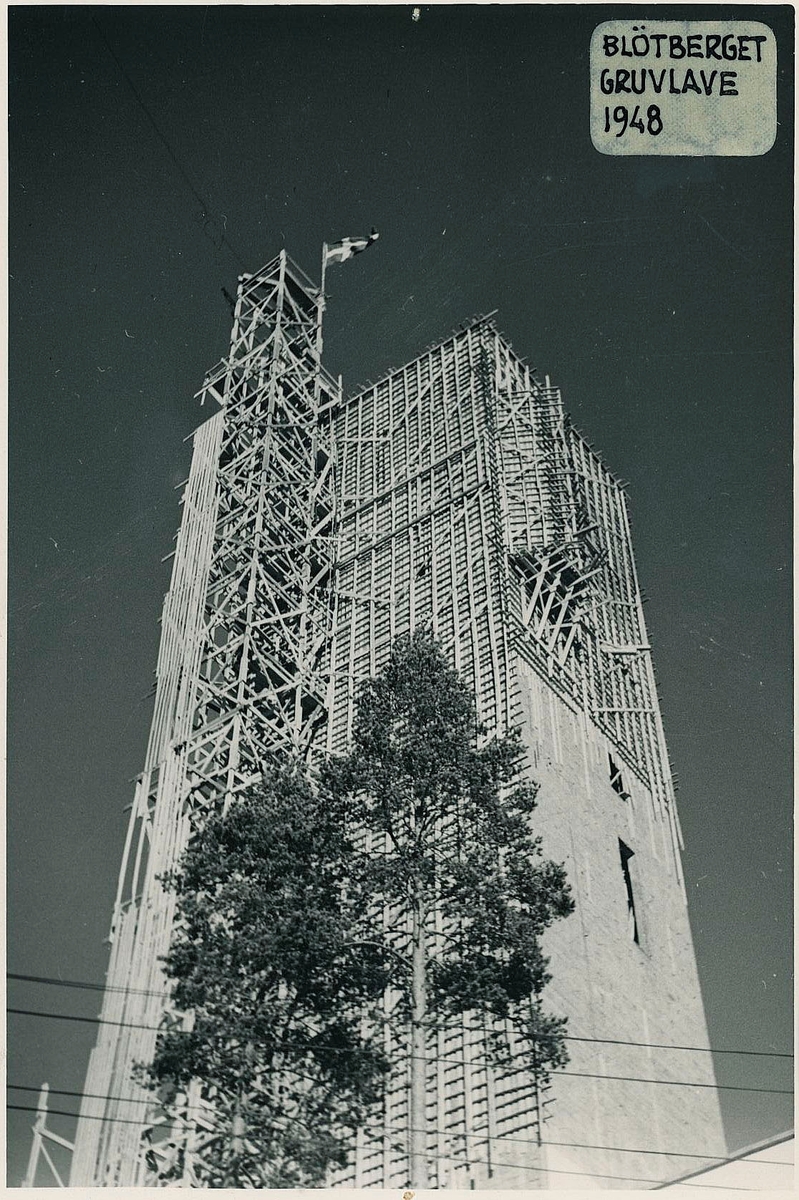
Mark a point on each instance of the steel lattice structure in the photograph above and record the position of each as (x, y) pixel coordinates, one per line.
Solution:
(455, 493)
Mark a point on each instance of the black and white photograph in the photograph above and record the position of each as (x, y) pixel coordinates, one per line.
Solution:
(399, 597)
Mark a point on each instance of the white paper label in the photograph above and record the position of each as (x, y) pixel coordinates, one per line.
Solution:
(683, 87)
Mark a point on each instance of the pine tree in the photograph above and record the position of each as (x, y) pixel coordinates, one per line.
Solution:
(271, 957)
(281, 952)
(450, 814)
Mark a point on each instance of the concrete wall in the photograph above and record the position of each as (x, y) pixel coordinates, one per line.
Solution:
(609, 986)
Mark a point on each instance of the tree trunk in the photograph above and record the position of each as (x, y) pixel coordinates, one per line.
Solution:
(238, 1128)
(238, 1124)
(418, 1095)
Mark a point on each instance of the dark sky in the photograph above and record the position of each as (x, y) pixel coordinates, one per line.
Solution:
(155, 153)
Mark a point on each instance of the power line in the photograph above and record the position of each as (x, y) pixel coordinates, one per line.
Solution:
(453, 1158)
(666, 1046)
(717, 1161)
(480, 1137)
(566, 1037)
(726, 1087)
(94, 987)
(437, 1157)
(206, 211)
(61, 1112)
(29, 1012)
(26, 1087)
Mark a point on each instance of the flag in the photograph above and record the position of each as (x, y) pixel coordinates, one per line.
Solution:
(341, 251)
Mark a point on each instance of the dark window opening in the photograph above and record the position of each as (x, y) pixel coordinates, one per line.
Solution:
(626, 854)
(616, 781)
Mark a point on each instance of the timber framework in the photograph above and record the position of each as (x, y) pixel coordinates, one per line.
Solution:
(316, 528)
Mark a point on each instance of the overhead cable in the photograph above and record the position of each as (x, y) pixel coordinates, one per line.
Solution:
(726, 1087)
(206, 210)
(454, 1158)
(566, 1037)
(479, 1137)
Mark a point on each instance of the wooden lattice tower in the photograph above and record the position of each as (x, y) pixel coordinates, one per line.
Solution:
(241, 674)
(454, 493)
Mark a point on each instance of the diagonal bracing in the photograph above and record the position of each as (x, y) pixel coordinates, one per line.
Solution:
(241, 675)
(455, 493)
